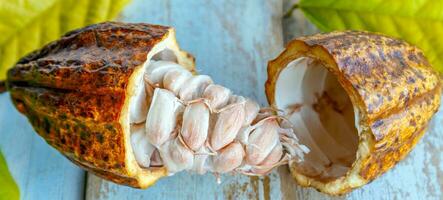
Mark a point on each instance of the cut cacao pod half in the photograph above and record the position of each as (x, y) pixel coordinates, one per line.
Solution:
(359, 101)
(80, 91)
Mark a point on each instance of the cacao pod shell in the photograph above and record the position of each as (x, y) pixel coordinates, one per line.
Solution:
(76, 92)
(389, 82)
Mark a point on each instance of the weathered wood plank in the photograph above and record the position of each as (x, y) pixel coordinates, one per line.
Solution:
(39, 170)
(232, 41)
(419, 176)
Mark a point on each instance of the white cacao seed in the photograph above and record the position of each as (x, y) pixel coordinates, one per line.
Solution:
(139, 105)
(140, 145)
(195, 125)
(156, 71)
(261, 142)
(217, 96)
(229, 158)
(251, 110)
(227, 125)
(175, 79)
(243, 134)
(194, 87)
(175, 156)
(270, 161)
(162, 116)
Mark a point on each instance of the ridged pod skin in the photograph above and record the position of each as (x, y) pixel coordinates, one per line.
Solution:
(75, 92)
(389, 82)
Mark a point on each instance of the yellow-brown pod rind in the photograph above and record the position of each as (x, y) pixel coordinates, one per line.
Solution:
(390, 84)
(75, 92)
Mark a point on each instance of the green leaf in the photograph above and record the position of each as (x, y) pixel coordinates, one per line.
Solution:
(26, 25)
(8, 187)
(419, 22)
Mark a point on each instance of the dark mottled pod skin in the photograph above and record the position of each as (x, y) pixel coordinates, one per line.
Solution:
(74, 92)
(389, 82)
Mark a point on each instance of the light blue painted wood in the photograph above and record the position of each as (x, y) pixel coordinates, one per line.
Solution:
(189, 186)
(232, 42)
(39, 170)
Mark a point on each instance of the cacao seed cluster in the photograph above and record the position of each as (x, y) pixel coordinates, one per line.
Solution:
(193, 124)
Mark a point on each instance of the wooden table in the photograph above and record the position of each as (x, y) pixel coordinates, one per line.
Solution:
(232, 41)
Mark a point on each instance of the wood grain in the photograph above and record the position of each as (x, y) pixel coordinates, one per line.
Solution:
(39, 170)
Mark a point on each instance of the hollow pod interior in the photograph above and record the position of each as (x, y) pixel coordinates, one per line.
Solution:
(322, 116)
(138, 105)
(325, 115)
